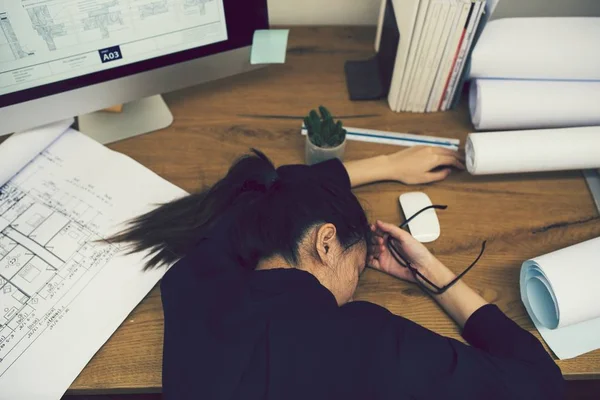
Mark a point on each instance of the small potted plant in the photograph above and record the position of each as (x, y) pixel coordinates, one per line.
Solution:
(326, 139)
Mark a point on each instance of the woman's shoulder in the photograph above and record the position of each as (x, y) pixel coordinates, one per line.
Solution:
(330, 171)
(371, 315)
(366, 308)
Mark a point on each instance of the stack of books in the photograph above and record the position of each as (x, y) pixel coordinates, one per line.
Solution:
(436, 38)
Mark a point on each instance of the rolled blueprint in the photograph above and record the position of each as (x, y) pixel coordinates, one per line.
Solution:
(533, 150)
(527, 104)
(538, 48)
(560, 292)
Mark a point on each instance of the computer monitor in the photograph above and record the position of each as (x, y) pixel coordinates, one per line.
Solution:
(64, 58)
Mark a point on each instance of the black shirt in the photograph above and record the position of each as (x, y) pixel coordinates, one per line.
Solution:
(279, 334)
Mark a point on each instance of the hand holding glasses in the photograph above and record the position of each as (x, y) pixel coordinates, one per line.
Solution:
(419, 278)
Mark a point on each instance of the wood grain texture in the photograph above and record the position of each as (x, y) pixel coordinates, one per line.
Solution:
(520, 216)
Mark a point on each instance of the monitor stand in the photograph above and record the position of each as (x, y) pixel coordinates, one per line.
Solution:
(138, 117)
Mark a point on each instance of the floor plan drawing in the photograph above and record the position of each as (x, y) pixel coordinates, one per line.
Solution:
(102, 17)
(46, 248)
(62, 24)
(153, 8)
(10, 46)
(50, 247)
(64, 289)
(46, 26)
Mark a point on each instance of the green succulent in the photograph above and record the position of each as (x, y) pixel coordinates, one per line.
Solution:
(323, 131)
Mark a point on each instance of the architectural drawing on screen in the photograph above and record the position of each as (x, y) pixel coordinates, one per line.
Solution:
(11, 48)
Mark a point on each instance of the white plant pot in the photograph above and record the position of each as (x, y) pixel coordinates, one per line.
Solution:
(314, 154)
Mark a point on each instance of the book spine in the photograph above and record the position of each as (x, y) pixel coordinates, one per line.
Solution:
(405, 30)
(462, 10)
(456, 73)
(485, 16)
(455, 57)
(425, 81)
(430, 22)
(416, 40)
(437, 56)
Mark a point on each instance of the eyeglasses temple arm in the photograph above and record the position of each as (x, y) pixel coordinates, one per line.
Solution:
(438, 207)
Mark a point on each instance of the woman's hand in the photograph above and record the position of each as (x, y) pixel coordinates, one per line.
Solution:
(459, 301)
(415, 165)
(423, 164)
(413, 251)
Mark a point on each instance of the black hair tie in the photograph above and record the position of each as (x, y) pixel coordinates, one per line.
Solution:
(263, 185)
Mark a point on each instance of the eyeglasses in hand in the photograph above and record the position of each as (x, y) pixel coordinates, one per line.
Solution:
(421, 279)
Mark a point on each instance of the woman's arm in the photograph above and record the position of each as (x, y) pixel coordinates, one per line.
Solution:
(505, 361)
(460, 301)
(414, 165)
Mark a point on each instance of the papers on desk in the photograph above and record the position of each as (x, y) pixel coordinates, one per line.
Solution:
(19, 149)
(63, 292)
(560, 292)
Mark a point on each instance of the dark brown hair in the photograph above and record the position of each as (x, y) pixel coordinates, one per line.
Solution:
(273, 210)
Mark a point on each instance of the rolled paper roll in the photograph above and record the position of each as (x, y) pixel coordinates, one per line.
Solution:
(538, 48)
(560, 292)
(533, 150)
(497, 104)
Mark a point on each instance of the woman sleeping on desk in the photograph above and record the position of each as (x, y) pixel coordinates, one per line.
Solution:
(259, 304)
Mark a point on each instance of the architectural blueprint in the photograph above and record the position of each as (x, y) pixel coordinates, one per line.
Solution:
(63, 289)
(11, 48)
(44, 41)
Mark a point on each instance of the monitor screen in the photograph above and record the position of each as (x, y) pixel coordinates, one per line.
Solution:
(52, 46)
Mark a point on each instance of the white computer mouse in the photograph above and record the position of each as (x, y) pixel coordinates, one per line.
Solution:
(426, 227)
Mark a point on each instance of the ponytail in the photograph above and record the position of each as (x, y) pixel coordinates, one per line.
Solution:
(276, 213)
(170, 230)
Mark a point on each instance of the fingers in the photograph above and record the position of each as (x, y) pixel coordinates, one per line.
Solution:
(447, 152)
(440, 160)
(438, 156)
(450, 161)
(432, 151)
(373, 262)
(378, 237)
(437, 175)
(376, 233)
(378, 248)
(393, 230)
(375, 251)
(376, 243)
(443, 160)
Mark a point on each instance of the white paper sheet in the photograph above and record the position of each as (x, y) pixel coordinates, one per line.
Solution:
(19, 149)
(538, 48)
(560, 292)
(525, 104)
(63, 296)
(533, 150)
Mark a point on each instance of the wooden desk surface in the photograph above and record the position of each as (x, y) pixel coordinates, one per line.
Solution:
(520, 216)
